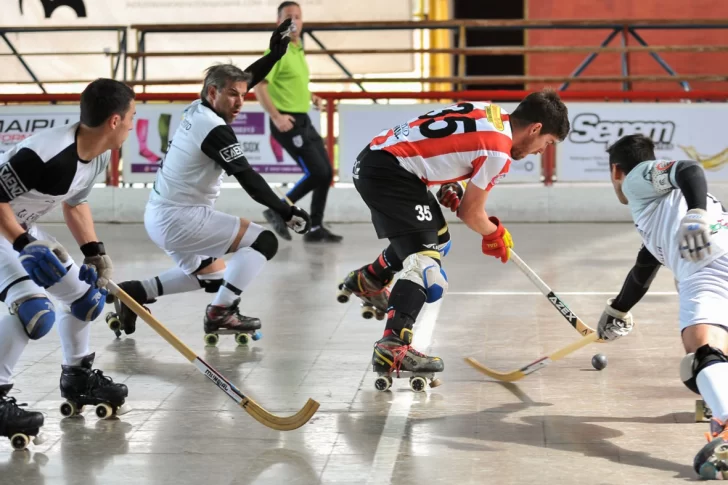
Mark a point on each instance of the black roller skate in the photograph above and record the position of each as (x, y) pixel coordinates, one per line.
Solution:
(18, 424)
(123, 318)
(80, 385)
(712, 461)
(228, 321)
(394, 355)
(374, 294)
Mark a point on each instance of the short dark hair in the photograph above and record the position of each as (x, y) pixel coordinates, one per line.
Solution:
(220, 75)
(104, 98)
(631, 150)
(286, 4)
(544, 107)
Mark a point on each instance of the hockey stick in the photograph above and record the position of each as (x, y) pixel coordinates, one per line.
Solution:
(251, 407)
(536, 364)
(575, 321)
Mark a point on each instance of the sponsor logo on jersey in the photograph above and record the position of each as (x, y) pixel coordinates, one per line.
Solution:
(589, 128)
(402, 130)
(10, 182)
(493, 113)
(497, 178)
(232, 152)
(664, 165)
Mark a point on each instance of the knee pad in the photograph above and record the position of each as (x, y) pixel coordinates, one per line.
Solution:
(692, 364)
(426, 272)
(36, 313)
(211, 282)
(266, 244)
(90, 305)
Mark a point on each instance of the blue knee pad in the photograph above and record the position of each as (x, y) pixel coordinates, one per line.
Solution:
(36, 313)
(435, 280)
(90, 305)
(444, 248)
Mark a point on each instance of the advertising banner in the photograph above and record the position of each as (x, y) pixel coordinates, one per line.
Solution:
(680, 132)
(19, 122)
(155, 124)
(359, 124)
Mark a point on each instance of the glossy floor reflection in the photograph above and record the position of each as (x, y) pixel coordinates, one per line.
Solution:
(569, 424)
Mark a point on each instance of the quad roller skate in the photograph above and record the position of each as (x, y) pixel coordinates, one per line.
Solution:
(711, 463)
(18, 424)
(228, 321)
(123, 318)
(702, 412)
(394, 356)
(81, 386)
(373, 294)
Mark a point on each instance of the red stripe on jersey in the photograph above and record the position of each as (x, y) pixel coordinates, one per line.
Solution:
(382, 138)
(452, 144)
(500, 175)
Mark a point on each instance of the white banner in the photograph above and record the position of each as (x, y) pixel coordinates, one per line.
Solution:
(680, 132)
(359, 124)
(19, 122)
(155, 124)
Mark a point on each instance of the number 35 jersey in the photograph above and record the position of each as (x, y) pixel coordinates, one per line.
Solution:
(463, 141)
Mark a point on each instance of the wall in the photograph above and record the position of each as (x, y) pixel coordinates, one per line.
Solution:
(640, 64)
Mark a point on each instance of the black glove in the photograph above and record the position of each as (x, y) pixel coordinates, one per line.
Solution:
(299, 220)
(280, 39)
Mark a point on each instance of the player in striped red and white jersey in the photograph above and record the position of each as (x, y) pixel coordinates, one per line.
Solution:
(473, 141)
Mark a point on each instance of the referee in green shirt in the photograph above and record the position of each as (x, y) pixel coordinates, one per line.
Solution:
(285, 96)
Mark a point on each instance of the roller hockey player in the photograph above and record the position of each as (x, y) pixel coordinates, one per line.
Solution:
(470, 140)
(684, 228)
(180, 218)
(57, 167)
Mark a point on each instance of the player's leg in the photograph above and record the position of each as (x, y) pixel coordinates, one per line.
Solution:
(443, 231)
(704, 370)
(251, 248)
(80, 304)
(422, 281)
(33, 316)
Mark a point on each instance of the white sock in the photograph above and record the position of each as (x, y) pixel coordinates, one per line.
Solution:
(242, 269)
(713, 386)
(75, 335)
(13, 341)
(172, 281)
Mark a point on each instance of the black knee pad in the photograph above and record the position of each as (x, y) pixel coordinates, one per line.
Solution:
(266, 244)
(210, 286)
(692, 364)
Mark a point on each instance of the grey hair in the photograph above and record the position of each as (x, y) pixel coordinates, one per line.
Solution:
(220, 75)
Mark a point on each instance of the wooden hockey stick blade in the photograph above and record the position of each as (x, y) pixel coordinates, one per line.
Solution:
(282, 423)
(552, 297)
(519, 374)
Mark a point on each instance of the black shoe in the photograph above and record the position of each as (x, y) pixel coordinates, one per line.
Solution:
(279, 225)
(321, 234)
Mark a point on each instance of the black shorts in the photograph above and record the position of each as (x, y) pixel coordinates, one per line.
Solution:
(399, 201)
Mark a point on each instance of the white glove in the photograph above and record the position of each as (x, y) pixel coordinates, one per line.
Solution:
(614, 324)
(694, 235)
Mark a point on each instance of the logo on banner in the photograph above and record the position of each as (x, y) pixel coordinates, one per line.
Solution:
(50, 6)
(249, 124)
(589, 128)
(251, 147)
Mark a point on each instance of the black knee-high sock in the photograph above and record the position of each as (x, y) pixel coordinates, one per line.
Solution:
(386, 265)
(405, 303)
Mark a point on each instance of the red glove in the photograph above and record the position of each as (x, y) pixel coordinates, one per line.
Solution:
(498, 243)
(450, 195)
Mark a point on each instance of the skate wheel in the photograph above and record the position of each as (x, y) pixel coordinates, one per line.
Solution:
(211, 339)
(381, 315)
(112, 320)
(383, 383)
(418, 384)
(104, 411)
(242, 338)
(69, 409)
(19, 441)
(435, 383)
(702, 412)
(367, 312)
(257, 335)
(708, 471)
(343, 295)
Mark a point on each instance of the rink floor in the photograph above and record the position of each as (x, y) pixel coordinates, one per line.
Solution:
(632, 423)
